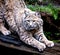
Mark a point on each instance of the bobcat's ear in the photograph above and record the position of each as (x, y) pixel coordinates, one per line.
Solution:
(26, 13)
(38, 14)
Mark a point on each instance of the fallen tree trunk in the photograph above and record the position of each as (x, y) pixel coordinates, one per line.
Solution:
(12, 43)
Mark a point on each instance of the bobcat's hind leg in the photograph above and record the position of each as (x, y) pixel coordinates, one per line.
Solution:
(3, 29)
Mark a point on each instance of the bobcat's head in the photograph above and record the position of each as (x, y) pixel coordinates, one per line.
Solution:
(31, 21)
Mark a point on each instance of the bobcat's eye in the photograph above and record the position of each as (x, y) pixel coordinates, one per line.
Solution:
(33, 20)
(28, 20)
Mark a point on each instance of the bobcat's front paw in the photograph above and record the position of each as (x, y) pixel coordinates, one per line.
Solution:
(41, 47)
(6, 32)
(50, 43)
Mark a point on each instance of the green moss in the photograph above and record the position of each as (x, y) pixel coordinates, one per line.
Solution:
(56, 41)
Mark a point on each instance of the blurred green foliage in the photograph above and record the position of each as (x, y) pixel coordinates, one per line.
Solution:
(31, 1)
(48, 9)
(48, 35)
(57, 41)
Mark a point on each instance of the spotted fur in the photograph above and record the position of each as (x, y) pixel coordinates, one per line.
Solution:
(26, 23)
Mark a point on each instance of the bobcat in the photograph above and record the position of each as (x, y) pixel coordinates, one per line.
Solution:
(26, 23)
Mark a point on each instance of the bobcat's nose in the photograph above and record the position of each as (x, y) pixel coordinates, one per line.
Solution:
(31, 23)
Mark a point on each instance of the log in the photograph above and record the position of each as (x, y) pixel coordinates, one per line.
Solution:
(11, 42)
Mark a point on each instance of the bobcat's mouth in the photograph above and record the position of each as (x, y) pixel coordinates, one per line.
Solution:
(32, 28)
